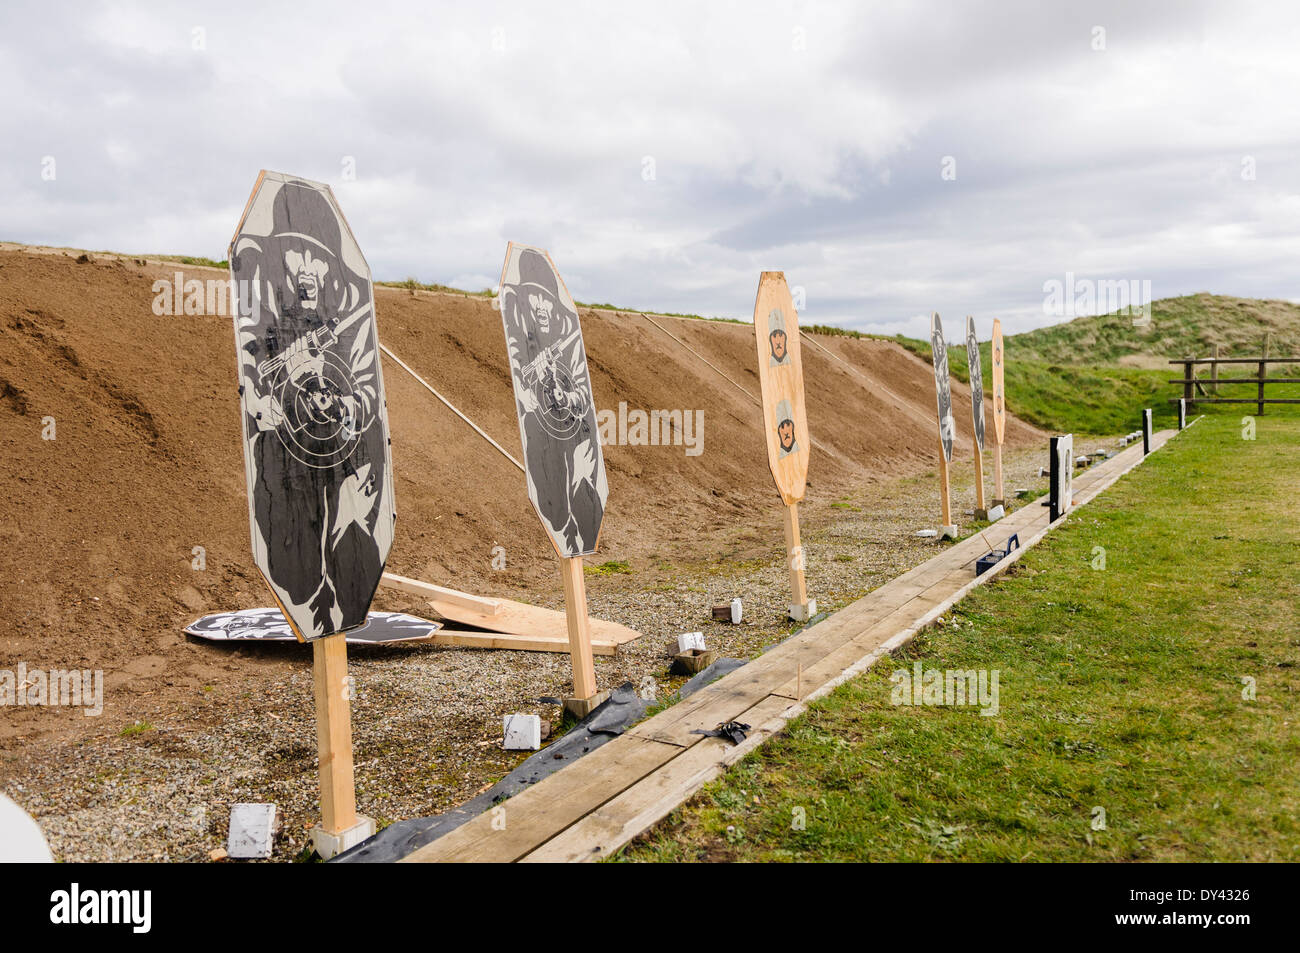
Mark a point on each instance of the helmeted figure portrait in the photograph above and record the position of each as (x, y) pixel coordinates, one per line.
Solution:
(557, 419)
(785, 429)
(778, 339)
(942, 385)
(976, 381)
(315, 428)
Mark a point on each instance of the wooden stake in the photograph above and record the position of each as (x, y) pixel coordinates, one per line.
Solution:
(980, 505)
(999, 495)
(575, 607)
(946, 504)
(338, 801)
(794, 556)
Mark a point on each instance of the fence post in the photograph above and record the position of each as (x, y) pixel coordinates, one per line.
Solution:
(1187, 381)
(1262, 374)
(1214, 372)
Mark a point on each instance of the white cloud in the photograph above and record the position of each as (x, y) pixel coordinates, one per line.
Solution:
(800, 137)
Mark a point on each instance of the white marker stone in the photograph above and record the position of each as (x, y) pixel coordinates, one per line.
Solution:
(522, 732)
(252, 831)
(692, 641)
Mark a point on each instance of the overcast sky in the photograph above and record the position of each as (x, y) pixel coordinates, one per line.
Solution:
(666, 153)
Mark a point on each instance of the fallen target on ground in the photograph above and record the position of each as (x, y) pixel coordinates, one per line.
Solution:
(269, 625)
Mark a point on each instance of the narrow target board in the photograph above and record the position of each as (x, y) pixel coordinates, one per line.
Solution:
(785, 423)
(947, 427)
(1061, 475)
(977, 413)
(999, 412)
(563, 462)
(315, 427)
(316, 448)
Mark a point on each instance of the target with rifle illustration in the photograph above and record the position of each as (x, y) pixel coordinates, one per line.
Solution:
(557, 416)
(316, 448)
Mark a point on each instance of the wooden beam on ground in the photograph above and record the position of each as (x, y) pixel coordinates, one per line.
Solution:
(506, 616)
(465, 639)
(453, 597)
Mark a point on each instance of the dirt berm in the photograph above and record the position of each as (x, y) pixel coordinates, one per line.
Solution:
(100, 525)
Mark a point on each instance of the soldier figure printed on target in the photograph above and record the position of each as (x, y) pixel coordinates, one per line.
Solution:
(777, 339)
(548, 363)
(311, 391)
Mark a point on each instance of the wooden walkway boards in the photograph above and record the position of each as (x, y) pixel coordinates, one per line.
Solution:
(600, 802)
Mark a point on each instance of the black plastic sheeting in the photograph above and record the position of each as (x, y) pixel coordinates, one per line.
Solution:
(710, 674)
(607, 721)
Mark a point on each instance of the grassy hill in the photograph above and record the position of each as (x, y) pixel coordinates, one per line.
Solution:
(1095, 374)
(1192, 324)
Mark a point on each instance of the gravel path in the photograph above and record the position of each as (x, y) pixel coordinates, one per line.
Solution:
(427, 720)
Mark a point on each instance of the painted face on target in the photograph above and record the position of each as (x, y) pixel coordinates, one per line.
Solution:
(778, 342)
(541, 308)
(785, 434)
(307, 275)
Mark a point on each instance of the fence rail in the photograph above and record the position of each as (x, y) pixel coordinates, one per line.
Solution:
(1192, 385)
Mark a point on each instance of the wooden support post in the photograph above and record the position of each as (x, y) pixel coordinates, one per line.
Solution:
(1263, 372)
(575, 607)
(1188, 369)
(338, 804)
(1214, 371)
(999, 494)
(981, 507)
(945, 506)
(800, 608)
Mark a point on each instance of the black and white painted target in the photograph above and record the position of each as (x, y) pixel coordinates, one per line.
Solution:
(976, 381)
(942, 385)
(269, 625)
(315, 427)
(1061, 476)
(557, 415)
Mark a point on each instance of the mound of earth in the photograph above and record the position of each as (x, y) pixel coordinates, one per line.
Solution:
(102, 525)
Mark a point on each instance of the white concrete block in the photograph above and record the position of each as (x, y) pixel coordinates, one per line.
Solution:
(996, 513)
(691, 641)
(329, 846)
(522, 732)
(737, 611)
(803, 613)
(252, 831)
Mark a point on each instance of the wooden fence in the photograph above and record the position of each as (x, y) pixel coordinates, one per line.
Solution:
(1193, 385)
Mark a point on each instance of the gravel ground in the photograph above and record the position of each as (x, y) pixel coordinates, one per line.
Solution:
(427, 720)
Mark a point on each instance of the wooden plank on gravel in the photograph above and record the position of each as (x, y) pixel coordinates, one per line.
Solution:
(550, 805)
(615, 823)
(467, 639)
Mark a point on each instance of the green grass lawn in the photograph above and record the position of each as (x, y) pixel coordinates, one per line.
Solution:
(1124, 690)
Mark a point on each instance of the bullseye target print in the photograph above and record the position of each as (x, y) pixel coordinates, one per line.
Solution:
(558, 400)
(322, 412)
